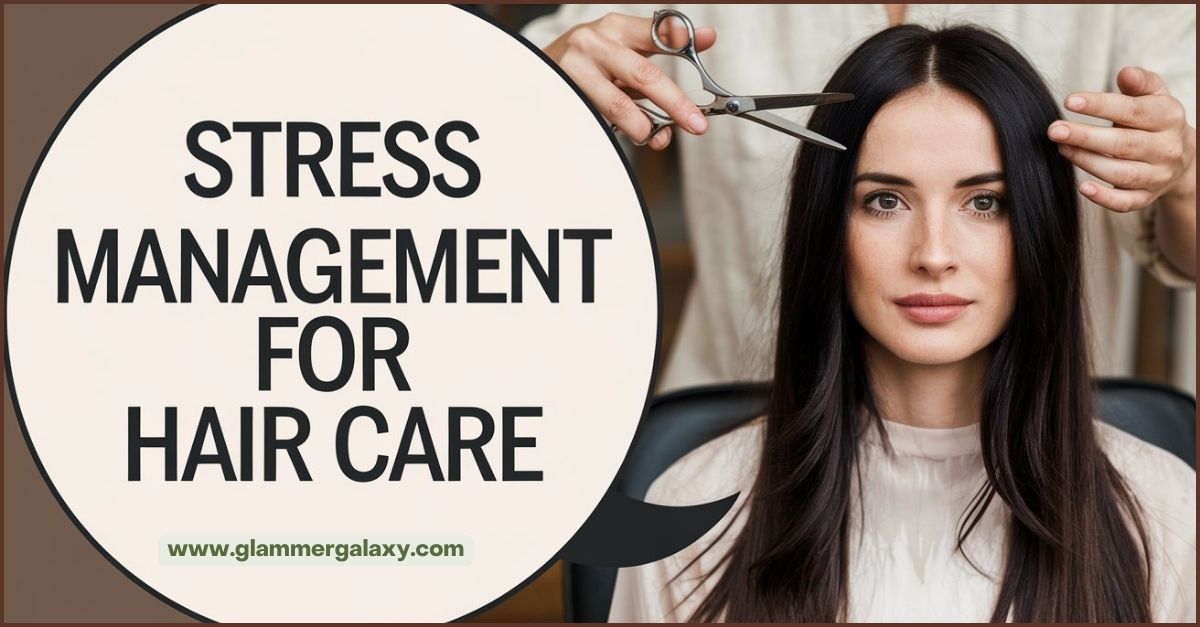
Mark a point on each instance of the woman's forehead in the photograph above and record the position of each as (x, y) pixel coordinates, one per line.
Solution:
(929, 135)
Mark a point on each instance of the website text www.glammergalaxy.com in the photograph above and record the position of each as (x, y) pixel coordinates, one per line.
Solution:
(341, 550)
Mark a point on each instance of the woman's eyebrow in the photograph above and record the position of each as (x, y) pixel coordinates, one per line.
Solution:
(884, 179)
(979, 179)
(892, 179)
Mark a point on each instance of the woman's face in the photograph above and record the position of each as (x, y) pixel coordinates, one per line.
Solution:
(930, 269)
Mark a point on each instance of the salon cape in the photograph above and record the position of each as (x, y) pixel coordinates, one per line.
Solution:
(904, 566)
(736, 175)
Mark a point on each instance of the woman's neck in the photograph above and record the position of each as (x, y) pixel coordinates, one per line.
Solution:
(940, 396)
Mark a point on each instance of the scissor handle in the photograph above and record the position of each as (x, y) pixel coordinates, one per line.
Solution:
(687, 50)
(658, 122)
(662, 15)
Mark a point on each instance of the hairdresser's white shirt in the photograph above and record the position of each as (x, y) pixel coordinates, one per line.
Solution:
(906, 568)
(736, 175)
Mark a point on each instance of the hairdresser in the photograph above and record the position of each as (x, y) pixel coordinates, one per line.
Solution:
(1132, 136)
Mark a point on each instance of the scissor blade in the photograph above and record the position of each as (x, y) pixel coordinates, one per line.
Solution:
(771, 120)
(788, 101)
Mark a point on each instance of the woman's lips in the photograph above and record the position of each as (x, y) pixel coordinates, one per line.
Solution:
(932, 308)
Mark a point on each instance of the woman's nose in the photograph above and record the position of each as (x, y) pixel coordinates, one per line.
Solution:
(932, 245)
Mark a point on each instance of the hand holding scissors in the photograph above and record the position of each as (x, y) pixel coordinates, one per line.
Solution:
(753, 108)
(607, 60)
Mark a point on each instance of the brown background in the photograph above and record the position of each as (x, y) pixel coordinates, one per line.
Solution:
(51, 53)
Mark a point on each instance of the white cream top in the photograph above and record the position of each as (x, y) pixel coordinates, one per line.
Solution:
(906, 567)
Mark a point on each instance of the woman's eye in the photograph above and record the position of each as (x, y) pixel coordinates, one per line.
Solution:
(986, 205)
(882, 203)
(983, 203)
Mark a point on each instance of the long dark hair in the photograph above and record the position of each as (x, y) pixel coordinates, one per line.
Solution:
(1071, 554)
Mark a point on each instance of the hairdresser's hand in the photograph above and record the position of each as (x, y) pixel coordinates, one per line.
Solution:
(607, 59)
(1148, 154)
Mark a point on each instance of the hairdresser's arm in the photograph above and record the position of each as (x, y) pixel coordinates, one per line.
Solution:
(1148, 156)
(607, 59)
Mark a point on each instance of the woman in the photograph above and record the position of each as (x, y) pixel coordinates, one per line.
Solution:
(930, 452)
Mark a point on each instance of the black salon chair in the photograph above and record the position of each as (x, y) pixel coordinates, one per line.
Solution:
(682, 421)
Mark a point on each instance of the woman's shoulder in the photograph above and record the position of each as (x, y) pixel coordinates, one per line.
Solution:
(718, 468)
(1152, 472)
(1165, 489)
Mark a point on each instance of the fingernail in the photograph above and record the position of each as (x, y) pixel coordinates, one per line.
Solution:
(1076, 103)
(1088, 189)
(658, 141)
(1059, 131)
(698, 123)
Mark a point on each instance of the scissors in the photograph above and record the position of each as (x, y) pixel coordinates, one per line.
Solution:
(752, 108)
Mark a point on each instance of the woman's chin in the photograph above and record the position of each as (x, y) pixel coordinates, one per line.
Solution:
(932, 349)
